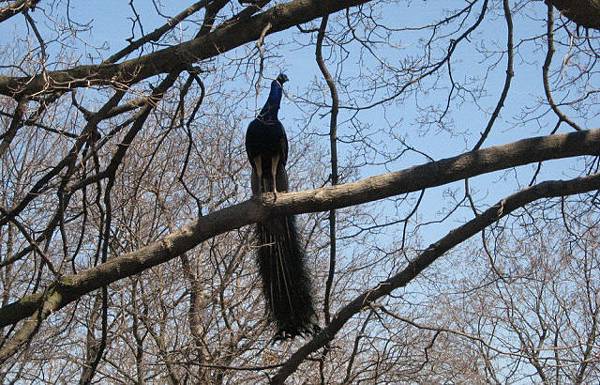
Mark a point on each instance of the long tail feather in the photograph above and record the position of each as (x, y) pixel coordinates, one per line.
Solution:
(286, 283)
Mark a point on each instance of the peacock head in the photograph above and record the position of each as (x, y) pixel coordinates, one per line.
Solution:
(282, 78)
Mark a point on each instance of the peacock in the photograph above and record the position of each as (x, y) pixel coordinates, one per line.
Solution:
(281, 258)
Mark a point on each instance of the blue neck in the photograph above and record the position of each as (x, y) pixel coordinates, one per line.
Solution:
(271, 107)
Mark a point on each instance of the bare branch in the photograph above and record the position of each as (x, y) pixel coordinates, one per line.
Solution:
(222, 39)
(431, 254)
(158, 32)
(370, 189)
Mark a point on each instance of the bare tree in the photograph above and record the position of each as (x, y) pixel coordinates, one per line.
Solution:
(445, 167)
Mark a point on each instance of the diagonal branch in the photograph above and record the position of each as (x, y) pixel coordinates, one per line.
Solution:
(71, 287)
(16, 123)
(158, 32)
(431, 254)
(224, 38)
(510, 73)
(48, 304)
(16, 8)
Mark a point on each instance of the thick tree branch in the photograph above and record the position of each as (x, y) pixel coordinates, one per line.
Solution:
(47, 305)
(224, 38)
(16, 8)
(470, 164)
(582, 12)
(431, 254)
(15, 124)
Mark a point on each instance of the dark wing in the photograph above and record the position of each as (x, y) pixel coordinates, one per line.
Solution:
(252, 138)
(283, 144)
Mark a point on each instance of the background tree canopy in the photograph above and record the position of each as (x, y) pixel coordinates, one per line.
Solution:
(444, 157)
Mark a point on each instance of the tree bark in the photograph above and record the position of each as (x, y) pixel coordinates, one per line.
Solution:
(583, 12)
(16, 8)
